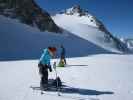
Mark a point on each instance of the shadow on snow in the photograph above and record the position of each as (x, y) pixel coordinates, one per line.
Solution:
(81, 91)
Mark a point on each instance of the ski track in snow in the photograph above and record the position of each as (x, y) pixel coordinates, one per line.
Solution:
(96, 77)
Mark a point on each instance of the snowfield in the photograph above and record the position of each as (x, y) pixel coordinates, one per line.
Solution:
(96, 77)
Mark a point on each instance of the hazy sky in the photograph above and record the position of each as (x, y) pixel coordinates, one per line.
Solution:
(117, 15)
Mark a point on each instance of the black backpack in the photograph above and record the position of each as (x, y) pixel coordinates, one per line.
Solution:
(57, 82)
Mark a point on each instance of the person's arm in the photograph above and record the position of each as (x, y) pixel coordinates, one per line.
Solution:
(49, 67)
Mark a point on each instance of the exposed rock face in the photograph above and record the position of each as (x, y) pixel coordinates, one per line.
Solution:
(109, 37)
(28, 12)
(129, 43)
(76, 10)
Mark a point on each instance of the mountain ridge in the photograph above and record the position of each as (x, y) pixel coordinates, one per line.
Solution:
(82, 16)
(28, 12)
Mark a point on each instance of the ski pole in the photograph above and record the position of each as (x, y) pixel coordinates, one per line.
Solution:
(57, 85)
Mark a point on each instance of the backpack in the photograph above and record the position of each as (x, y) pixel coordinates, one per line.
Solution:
(55, 82)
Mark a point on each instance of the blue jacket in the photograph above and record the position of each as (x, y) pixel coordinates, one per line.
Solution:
(63, 51)
(45, 58)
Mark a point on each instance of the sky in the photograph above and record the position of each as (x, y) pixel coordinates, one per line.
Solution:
(116, 15)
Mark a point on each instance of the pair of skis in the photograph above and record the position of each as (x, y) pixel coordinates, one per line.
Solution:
(57, 87)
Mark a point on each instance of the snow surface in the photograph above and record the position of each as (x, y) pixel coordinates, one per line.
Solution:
(20, 41)
(96, 77)
(83, 27)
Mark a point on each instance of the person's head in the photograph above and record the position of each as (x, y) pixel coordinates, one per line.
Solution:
(61, 46)
(52, 50)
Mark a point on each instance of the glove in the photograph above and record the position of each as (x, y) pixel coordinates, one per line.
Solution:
(50, 69)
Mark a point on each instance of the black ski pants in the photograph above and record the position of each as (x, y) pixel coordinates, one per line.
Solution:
(43, 70)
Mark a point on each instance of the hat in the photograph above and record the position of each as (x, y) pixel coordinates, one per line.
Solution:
(52, 49)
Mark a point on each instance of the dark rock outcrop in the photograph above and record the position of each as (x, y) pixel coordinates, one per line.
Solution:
(28, 12)
(76, 9)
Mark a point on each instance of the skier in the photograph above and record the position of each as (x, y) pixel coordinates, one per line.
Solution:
(44, 65)
(63, 54)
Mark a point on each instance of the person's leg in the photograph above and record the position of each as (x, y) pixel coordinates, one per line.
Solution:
(41, 82)
(45, 77)
(40, 66)
(65, 61)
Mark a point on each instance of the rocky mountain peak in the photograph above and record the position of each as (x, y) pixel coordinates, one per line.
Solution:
(76, 9)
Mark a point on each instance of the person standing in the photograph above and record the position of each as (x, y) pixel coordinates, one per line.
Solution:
(63, 54)
(44, 65)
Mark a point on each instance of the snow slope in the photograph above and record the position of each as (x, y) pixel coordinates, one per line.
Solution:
(86, 26)
(20, 41)
(96, 77)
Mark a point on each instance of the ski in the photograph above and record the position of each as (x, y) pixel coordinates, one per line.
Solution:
(47, 91)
